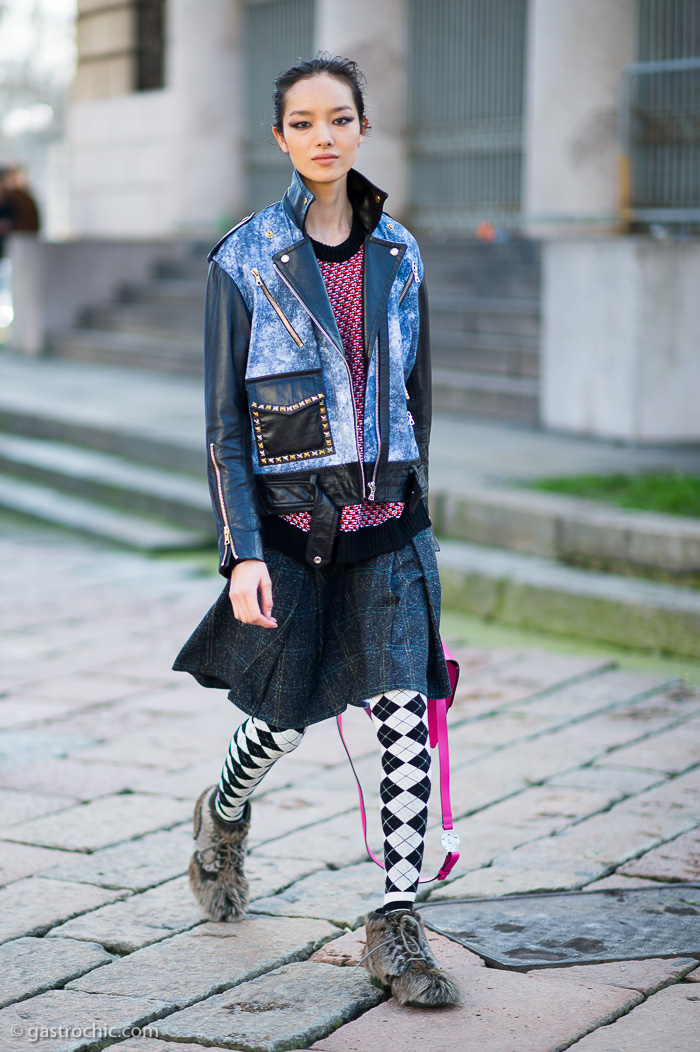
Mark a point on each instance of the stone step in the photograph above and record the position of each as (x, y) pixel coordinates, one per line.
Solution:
(167, 291)
(482, 394)
(144, 351)
(138, 448)
(570, 530)
(543, 595)
(147, 319)
(111, 480)
(485, 315)
(513, 252)
(503, 360)
(76, 513)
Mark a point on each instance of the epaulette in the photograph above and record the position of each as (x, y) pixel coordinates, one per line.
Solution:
(228, 233)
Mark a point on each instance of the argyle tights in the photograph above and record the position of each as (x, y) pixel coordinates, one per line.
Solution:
(399, 717)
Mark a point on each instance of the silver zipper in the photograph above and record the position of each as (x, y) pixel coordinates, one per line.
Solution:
(228, 541)
(347, 368)
(377, 429)
(275, 306)
(409, 281)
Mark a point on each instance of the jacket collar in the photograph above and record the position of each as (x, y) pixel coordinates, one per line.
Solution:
(366, 198)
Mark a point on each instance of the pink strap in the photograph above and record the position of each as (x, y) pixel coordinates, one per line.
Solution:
(437, 733)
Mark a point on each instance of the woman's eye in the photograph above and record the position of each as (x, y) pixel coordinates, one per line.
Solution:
(301, 124)
(342, 120)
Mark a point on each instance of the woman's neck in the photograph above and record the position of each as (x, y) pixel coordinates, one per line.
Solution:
(329, 219)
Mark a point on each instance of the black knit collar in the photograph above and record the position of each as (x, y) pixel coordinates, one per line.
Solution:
(346, 249)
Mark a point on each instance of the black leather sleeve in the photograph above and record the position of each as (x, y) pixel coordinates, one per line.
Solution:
(229, 455)
(419, 387)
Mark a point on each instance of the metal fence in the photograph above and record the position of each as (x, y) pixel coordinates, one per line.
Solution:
(660, 116)
(277, 34)
(465, 122)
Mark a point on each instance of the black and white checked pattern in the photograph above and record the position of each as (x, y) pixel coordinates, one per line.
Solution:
(400, 718)
(254, 748)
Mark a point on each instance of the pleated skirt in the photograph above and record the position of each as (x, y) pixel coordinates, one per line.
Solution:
(345, 633)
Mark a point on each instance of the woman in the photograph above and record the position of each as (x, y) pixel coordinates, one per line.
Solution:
(316, 344)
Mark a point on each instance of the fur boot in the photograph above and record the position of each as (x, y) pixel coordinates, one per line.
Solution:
(398, 958)
(216, 871)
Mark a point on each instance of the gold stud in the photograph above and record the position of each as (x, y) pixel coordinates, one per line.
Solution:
(391, 226)
(268, 234)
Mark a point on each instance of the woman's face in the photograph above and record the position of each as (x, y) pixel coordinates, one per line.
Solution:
(321, 129)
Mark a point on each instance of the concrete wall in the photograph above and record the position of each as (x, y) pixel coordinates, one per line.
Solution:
(52, 283)
(620, 339)
(158, 163)
(576, 52)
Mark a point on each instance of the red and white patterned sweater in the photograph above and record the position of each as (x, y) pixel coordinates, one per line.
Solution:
(344, 284)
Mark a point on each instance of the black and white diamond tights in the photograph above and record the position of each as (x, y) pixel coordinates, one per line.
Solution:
(254, 747)
(399, 717)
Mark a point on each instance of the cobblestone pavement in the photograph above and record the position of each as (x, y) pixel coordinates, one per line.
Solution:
(567, 773)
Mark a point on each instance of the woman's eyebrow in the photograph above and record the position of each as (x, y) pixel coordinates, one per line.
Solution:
(308, 113)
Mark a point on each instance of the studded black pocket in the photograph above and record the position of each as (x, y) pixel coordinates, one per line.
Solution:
(290, 418)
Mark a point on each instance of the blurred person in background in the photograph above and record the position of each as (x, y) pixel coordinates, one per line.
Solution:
(21, 207)
(316, 344)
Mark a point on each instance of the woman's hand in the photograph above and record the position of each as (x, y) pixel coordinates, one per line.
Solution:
(249, 579)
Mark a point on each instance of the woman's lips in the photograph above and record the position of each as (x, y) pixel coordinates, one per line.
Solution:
(325, 159)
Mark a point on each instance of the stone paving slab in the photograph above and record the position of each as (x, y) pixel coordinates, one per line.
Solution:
(621, 781)
(137, 921)
(79, 1020)
(678, 860)
(646, 976)
(31, 966)
(337, 842)
(268, 876)
(101, 823)
(672, 751)
(17, 710)
(135, 865)
(147, 1044)
(502, 1012)
(287, 810)
(670, 1020)
(90, 688)
(612, 689)
(209, 959)
(679, 795)
(289, 1007)
(62, 777)
(188, 782)
(170, 745)
(34, 905)
(23, 860)
(18, 747)
(18, 806)
(342, 897)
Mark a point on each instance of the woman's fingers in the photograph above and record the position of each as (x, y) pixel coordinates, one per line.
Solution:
(247, 580)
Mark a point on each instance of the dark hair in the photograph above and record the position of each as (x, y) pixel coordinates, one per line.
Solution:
(342, 68)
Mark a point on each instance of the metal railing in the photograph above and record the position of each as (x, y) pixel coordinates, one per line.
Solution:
(465, 121)
(659, 129)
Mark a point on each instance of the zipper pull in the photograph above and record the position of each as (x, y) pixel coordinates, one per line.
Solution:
(256, 274)
(372, 489)
(228, 544)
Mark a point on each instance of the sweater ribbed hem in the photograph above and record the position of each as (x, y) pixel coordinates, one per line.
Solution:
(351, 547)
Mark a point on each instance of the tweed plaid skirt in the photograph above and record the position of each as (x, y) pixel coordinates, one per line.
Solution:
(346, 633)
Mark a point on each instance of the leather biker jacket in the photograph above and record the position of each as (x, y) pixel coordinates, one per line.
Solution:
(280, 412)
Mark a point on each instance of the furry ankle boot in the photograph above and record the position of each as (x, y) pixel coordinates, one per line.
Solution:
(397, 957)
(216, 871)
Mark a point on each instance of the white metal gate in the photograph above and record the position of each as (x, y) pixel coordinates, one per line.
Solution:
(465, 117)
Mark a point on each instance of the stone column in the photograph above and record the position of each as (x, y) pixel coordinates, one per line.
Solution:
(375, 35)
(576, 52)
(205, 72)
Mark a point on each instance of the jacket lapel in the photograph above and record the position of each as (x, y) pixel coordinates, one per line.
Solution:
(298, 267)
(380, 271)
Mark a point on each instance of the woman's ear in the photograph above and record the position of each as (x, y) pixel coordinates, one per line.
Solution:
(281, 141)
(363, 128)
